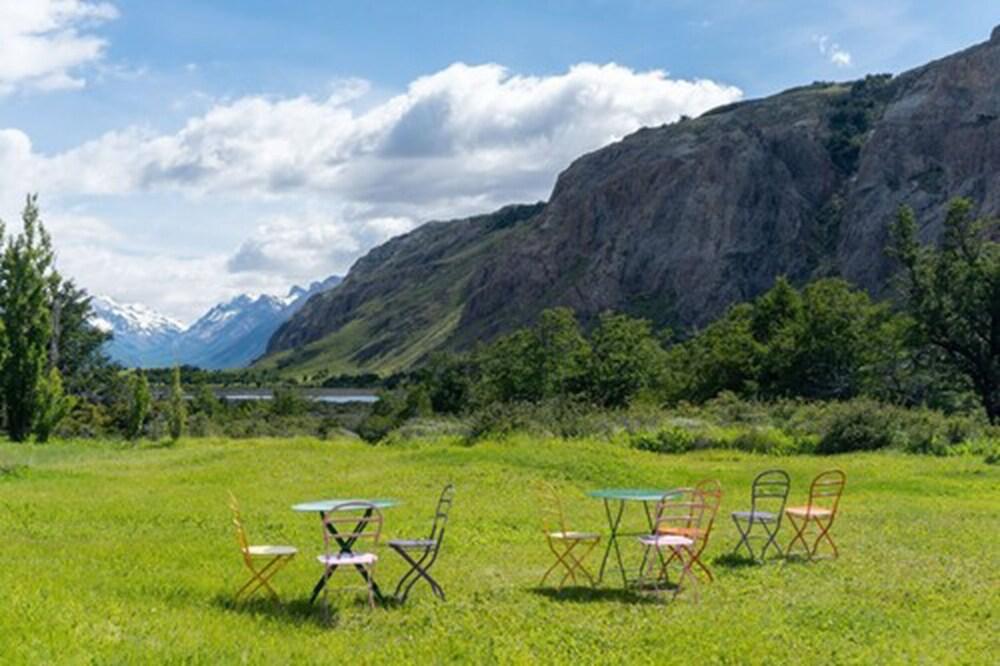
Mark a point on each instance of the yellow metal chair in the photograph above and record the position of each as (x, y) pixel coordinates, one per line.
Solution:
(263, 561)
(564, 541)
(819, 514)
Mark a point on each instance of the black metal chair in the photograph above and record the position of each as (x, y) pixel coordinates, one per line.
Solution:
(768, 498)
(424, 551)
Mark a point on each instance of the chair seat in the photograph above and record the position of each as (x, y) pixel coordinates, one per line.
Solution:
(666, 540)
(413, 544)
(346, 559)
(808, 512)
(575, 536)
(271, 551)
(756, 517)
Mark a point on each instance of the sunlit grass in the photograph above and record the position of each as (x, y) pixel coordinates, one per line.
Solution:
(122, 554)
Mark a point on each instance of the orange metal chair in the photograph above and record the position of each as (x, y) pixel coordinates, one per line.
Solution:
(819, 513)
(709, 494)
(683, 521)
(273, 558)
(564, 541)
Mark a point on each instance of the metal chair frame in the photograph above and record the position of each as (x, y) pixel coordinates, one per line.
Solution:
(260, 578)
(770, 486)
(824, 500)
(678, 520)
(430, 547)
(367, 526)
(562, 541)
(708, 495)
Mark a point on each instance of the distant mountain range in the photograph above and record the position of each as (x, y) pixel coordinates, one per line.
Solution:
(230, 335)
(676, 223)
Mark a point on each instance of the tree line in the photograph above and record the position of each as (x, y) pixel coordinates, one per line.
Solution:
(937, 344)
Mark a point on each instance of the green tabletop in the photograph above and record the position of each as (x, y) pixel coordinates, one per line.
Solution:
(330, 504)
(631, 494)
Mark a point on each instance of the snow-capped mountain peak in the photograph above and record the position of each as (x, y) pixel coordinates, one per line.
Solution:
(229, 335)
(110, 315)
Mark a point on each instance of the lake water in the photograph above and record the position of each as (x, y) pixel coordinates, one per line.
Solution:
(329, 396)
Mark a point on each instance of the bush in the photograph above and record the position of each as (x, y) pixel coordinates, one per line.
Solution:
(669, 440)
(767, 439)
(861, 426)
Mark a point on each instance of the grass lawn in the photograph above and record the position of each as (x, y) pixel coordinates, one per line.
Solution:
(110, 554)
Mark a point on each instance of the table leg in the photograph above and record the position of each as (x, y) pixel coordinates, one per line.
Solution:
(613, 522)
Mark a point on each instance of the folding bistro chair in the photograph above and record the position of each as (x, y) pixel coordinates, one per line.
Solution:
(708, 494)
(563, 541)
(426, 550)
(770, 492)
(343, 526)
(819, 513)
(680, 520)
(272, 558)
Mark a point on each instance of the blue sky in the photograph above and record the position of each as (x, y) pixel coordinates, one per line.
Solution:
(188, 151)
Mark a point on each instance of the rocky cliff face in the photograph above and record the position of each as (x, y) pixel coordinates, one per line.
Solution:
(675, 223)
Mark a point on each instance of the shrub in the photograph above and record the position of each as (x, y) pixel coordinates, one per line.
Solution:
(767, 439)
(673, 439)
(860, 426)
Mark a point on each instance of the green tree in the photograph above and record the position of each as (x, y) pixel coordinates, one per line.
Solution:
(26, 285)
(825, 351)
(76, 346)
(625, 359)
(53, 405)
(953, 294)
(725, 356)
(205, 401)
(511, 369)
(562, 353)
(177, 411)
(138, 404)
(449, 379)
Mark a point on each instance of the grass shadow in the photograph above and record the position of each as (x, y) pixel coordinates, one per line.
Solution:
(583, 595)
(297, 611)
(735, 561)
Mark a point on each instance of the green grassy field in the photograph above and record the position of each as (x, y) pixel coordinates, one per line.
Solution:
(127, 555)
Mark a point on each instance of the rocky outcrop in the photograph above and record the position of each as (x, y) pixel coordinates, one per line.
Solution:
(676, 223)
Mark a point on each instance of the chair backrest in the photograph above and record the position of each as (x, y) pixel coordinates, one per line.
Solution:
(683, 511)
(770, 492)
(710, 493)
(241, 533)
(441, 514)
(354, 520)
(826, 489)
(553, 516)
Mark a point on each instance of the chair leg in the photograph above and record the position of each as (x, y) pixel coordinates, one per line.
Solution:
(560, 560)
(260, 579)
(824, 533)
(744, 537)
(772, 540)
(696, 559)
(369, 579)
(798, 538)
(411, 576)
(420, 569)
(687, 573)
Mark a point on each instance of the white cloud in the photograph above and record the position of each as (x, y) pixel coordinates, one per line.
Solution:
(313, 245)
(832, 51)
(346, 171)
(44, 42)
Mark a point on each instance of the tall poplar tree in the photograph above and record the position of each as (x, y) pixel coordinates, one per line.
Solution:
(26, 285)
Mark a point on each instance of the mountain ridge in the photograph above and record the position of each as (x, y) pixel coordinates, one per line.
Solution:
(676, 223)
